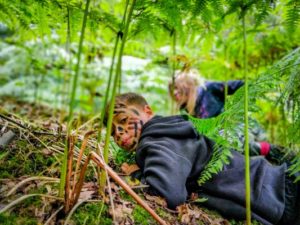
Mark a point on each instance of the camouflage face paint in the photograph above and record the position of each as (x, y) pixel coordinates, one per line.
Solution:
(135, 129)
(127, 126)
(135, 112)
(141, 123)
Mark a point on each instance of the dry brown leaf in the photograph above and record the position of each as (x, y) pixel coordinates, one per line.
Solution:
(88, 190)
(158, 200)
(129, 169)
(47, 152)
(122, 213)
(192, 215)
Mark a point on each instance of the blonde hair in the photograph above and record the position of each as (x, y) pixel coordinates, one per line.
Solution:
(187, 81)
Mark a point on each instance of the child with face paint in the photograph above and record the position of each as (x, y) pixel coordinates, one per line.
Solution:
(171, 156)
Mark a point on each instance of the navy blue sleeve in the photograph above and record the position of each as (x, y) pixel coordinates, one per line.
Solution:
(233, 85)
(218, 88)
(166, 172)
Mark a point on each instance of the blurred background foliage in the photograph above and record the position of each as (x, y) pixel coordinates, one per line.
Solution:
(39, 43)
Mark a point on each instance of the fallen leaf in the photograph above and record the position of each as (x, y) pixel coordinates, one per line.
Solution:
(191, 215)
(158, 200)
(88, 190)
(129, 169)
(121, 212)
(86, 195)
(47, 152)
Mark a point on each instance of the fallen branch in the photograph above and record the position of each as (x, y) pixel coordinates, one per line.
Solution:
(125, 186)
(28, 128)
(15, 202)
(28, 180)
(53, 215)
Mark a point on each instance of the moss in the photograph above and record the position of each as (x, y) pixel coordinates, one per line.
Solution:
(141, 216)
(124, 195)
(13, 219)
(162, 213)
(121, 156)
(33, 161)
(89, 214)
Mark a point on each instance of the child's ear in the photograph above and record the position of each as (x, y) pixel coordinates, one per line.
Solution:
(148, 110)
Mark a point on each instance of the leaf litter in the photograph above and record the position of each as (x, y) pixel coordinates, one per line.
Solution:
(41, 133)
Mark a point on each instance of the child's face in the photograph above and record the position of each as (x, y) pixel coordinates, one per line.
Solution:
(127, 125)
(180, 95)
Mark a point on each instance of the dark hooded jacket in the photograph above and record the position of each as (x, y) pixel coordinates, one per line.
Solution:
(171, 155)
(211, 97)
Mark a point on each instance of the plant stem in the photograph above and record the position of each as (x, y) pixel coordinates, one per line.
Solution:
(65, 85)
(122, 28)
(247, 159)
(72, 101)
(107, 89)
(112, 103)
(173, 72)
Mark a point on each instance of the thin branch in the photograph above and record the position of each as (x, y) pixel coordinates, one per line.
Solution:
(79, 184)
(15, 202)
(83, 147)
(53, 215)
(73, 210)
(26, 128)
(68, 187)
(125, 186)
(28, 180)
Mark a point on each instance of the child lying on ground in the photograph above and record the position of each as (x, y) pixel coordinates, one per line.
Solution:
(202, 99)
(171, 156)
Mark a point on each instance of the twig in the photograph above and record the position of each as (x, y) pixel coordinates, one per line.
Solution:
(73, 210)
(126, 187)
(27, 128)
(109, 191)
(30, 179)
(80, 180)
(68, 188)
(83, 147)
(88, 122)
(12, 121)
(13, 203)
(53, 215)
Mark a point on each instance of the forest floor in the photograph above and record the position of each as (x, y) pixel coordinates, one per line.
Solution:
(32, 142)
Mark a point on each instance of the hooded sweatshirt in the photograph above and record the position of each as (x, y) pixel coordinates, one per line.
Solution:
(172, 155)
(211, 97)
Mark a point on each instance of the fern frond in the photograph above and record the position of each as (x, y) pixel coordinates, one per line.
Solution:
(106, 19)
(263, 10)
(271, 81)
(293, 15)
(221, 152)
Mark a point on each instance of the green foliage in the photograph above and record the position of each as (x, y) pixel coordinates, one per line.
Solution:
(221, 151)
(33, 162)
(92, 213)
(121, 156)
(141, 216)
(13, 219)
(37, 64)
(282, 77)
(293, 15)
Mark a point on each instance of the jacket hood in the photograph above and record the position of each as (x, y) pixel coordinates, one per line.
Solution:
(173, 126)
